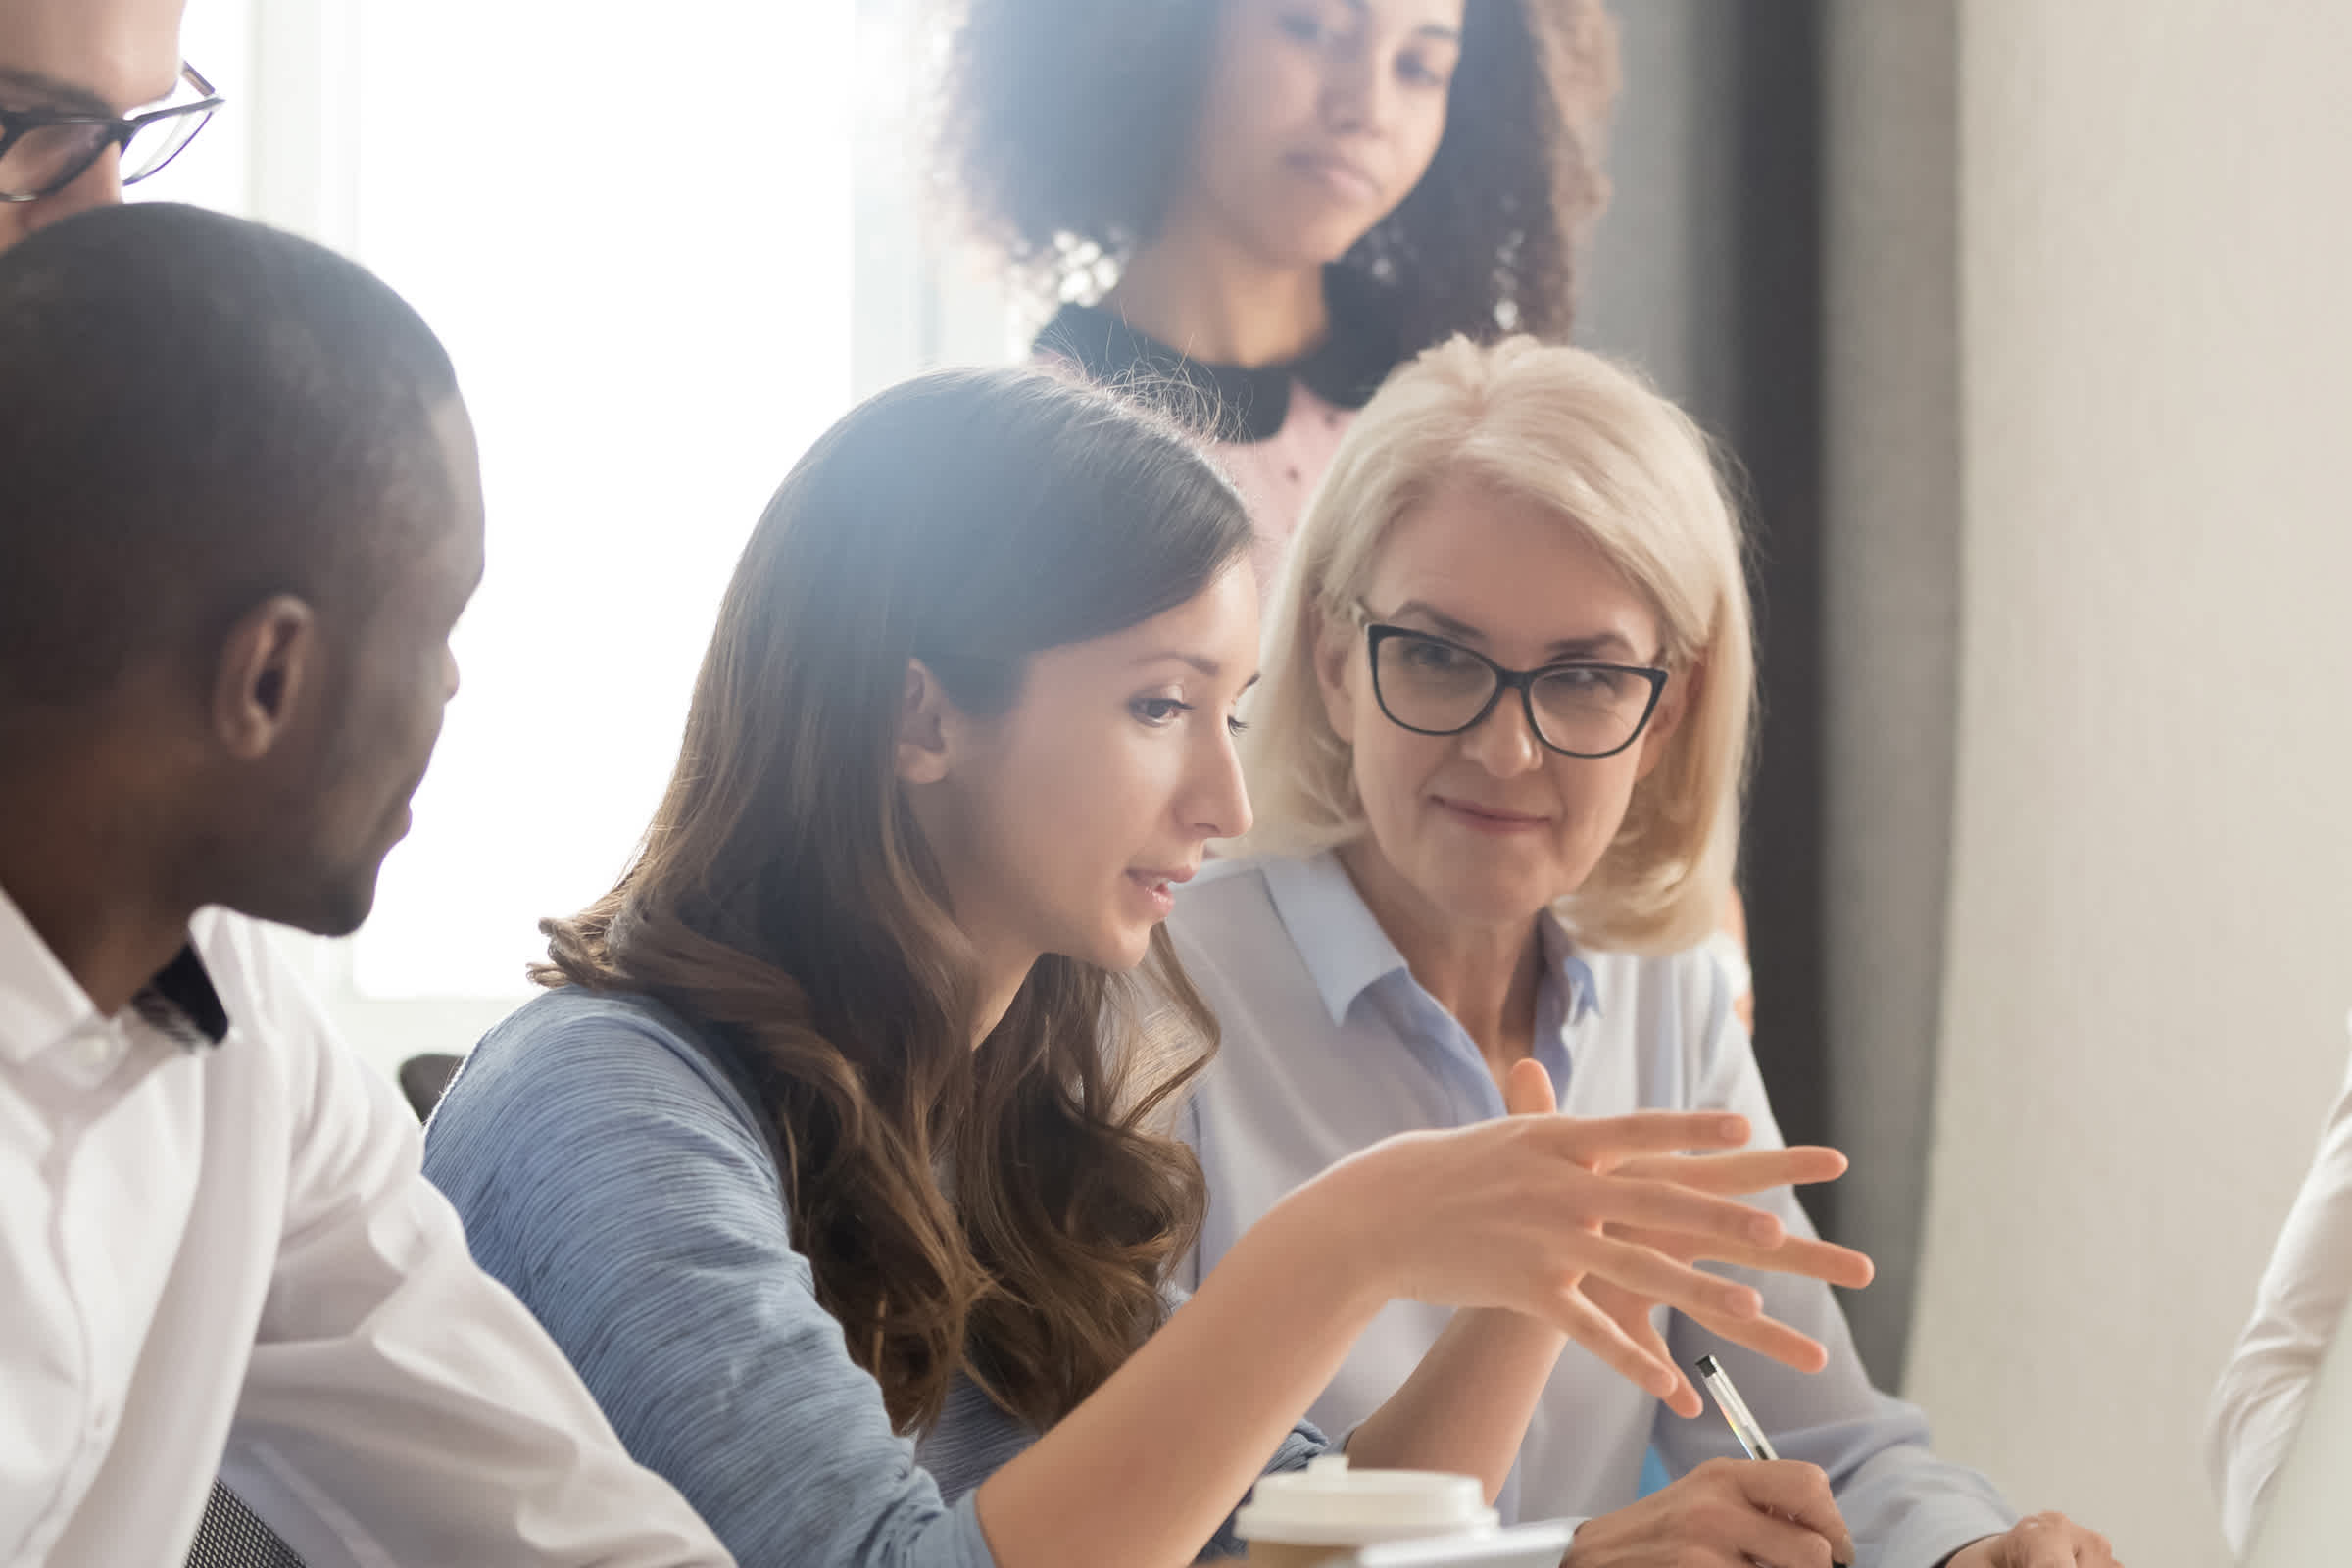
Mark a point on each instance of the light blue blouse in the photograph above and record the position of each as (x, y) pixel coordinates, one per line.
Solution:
(613, 1177)
(1331, 1045)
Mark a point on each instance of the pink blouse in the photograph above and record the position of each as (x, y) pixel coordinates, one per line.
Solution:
(1276, 426)
(1277, 475)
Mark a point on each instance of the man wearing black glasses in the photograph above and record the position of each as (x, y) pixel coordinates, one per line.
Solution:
(94, 97)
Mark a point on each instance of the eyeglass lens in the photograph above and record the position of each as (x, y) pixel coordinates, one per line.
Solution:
(47, 158)
(1426, 683)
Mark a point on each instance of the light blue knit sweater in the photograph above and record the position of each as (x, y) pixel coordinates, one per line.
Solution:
(613, 1177)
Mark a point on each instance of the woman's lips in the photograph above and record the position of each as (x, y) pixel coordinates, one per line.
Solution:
(1489, 818)
(1159, 887)
(1345, 180)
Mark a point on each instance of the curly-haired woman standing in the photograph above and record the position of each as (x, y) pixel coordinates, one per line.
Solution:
(1272, 203)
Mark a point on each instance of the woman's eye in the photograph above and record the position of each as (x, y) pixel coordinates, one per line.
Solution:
(1237, 728)
(1300, 25)
(1416, 71)
(1584, 681)
(1157, 711)
(1430, 655)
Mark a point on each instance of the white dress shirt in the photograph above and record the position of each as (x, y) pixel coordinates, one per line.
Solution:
(1330, 1044)
(2259, 1401)
(217, 1252)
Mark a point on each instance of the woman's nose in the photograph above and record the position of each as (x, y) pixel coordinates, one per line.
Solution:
(1218, 803)
(1504, 742)
(1353, 101)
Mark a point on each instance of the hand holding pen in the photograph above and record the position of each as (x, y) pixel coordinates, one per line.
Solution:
(1726, 1513)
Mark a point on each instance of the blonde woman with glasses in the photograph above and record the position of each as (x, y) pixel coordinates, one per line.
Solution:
(1497, 763)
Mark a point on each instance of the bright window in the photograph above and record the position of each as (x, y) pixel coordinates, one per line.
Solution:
(636, 242)
(664, 248)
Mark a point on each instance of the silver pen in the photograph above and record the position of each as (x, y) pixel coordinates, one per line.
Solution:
(1735, 1413)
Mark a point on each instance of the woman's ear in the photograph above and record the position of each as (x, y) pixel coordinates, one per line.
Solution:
(925, 716)
(1333, 643)
(1682, 694)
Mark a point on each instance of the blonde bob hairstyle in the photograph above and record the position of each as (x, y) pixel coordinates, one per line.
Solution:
(1594, 443)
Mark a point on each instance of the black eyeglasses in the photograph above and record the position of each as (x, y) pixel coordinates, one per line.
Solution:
(43, 151)
(1579, 707)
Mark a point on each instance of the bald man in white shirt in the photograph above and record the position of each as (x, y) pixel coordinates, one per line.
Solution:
(244, 513)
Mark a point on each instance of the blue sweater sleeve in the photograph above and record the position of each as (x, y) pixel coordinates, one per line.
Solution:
(611, 1177)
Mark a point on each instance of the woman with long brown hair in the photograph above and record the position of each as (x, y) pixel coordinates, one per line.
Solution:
(843, 1122)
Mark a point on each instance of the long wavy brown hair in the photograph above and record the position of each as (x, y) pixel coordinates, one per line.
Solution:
(1060, 128)
(1009, 1212)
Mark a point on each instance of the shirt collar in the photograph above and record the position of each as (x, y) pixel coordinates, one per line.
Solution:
(1578, 983)
(1250, 402)
(1338, 939)
(41, 1003)
(1346, 950)
(182, 1001)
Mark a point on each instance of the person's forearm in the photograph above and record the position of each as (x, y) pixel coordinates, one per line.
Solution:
(1466, 1407)
(1146, 1469)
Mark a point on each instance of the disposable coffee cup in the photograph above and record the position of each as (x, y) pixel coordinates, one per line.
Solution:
(1324, 1514)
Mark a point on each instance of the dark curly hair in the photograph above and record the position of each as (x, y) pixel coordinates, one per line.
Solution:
(1063, 126)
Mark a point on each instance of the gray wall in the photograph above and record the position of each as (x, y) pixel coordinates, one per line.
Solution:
(1663, 286)
(1891, 511)
(1656, 284)
(2152, 874)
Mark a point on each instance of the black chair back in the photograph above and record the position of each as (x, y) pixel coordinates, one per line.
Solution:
(424, 1078)
(231, 1537)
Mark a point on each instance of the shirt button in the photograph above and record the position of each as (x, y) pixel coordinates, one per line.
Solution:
(94, 1051)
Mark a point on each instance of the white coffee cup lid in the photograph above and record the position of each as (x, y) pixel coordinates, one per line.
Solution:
(1328, 1505)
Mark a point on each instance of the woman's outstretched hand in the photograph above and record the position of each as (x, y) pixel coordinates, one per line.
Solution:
(1533, 1212)
(1528, 1091)
(1731, 1175)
